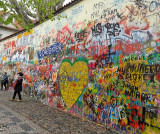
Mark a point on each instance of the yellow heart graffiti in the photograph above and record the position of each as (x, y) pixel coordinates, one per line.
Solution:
(73, 79)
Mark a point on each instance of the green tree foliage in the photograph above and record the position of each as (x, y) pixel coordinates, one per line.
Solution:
(24, 11)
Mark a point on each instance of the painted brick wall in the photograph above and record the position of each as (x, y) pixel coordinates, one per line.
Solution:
(101, 63)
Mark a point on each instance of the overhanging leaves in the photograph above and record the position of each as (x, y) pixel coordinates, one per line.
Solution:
(27, 11)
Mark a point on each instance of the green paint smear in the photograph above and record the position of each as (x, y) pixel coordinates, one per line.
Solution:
(78, 59)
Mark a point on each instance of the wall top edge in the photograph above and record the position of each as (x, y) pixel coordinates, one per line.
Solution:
(73, 2)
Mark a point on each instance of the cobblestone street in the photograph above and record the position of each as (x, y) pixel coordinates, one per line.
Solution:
(31, 116)
(12, 122)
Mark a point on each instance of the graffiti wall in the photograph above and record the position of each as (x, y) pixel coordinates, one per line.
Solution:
(101, 63)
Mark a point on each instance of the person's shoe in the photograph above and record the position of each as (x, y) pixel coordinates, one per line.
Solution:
(11, 99)
(19, 100)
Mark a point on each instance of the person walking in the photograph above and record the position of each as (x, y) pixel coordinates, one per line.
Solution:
(4, 81)
(18, 87)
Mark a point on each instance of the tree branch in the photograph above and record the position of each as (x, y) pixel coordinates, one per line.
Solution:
(20, 11)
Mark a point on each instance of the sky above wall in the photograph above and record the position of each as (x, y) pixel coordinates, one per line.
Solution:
(66, 2)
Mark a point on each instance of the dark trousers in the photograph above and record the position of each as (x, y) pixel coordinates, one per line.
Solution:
(19, 94)
(4, 86)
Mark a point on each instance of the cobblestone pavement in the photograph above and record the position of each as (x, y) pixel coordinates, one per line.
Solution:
(12, 122)
(25, 115)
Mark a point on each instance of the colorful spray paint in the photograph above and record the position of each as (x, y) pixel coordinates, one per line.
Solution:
(102, 63)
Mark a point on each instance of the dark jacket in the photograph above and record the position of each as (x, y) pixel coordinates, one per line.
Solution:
(4, 79)
(18, 86)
